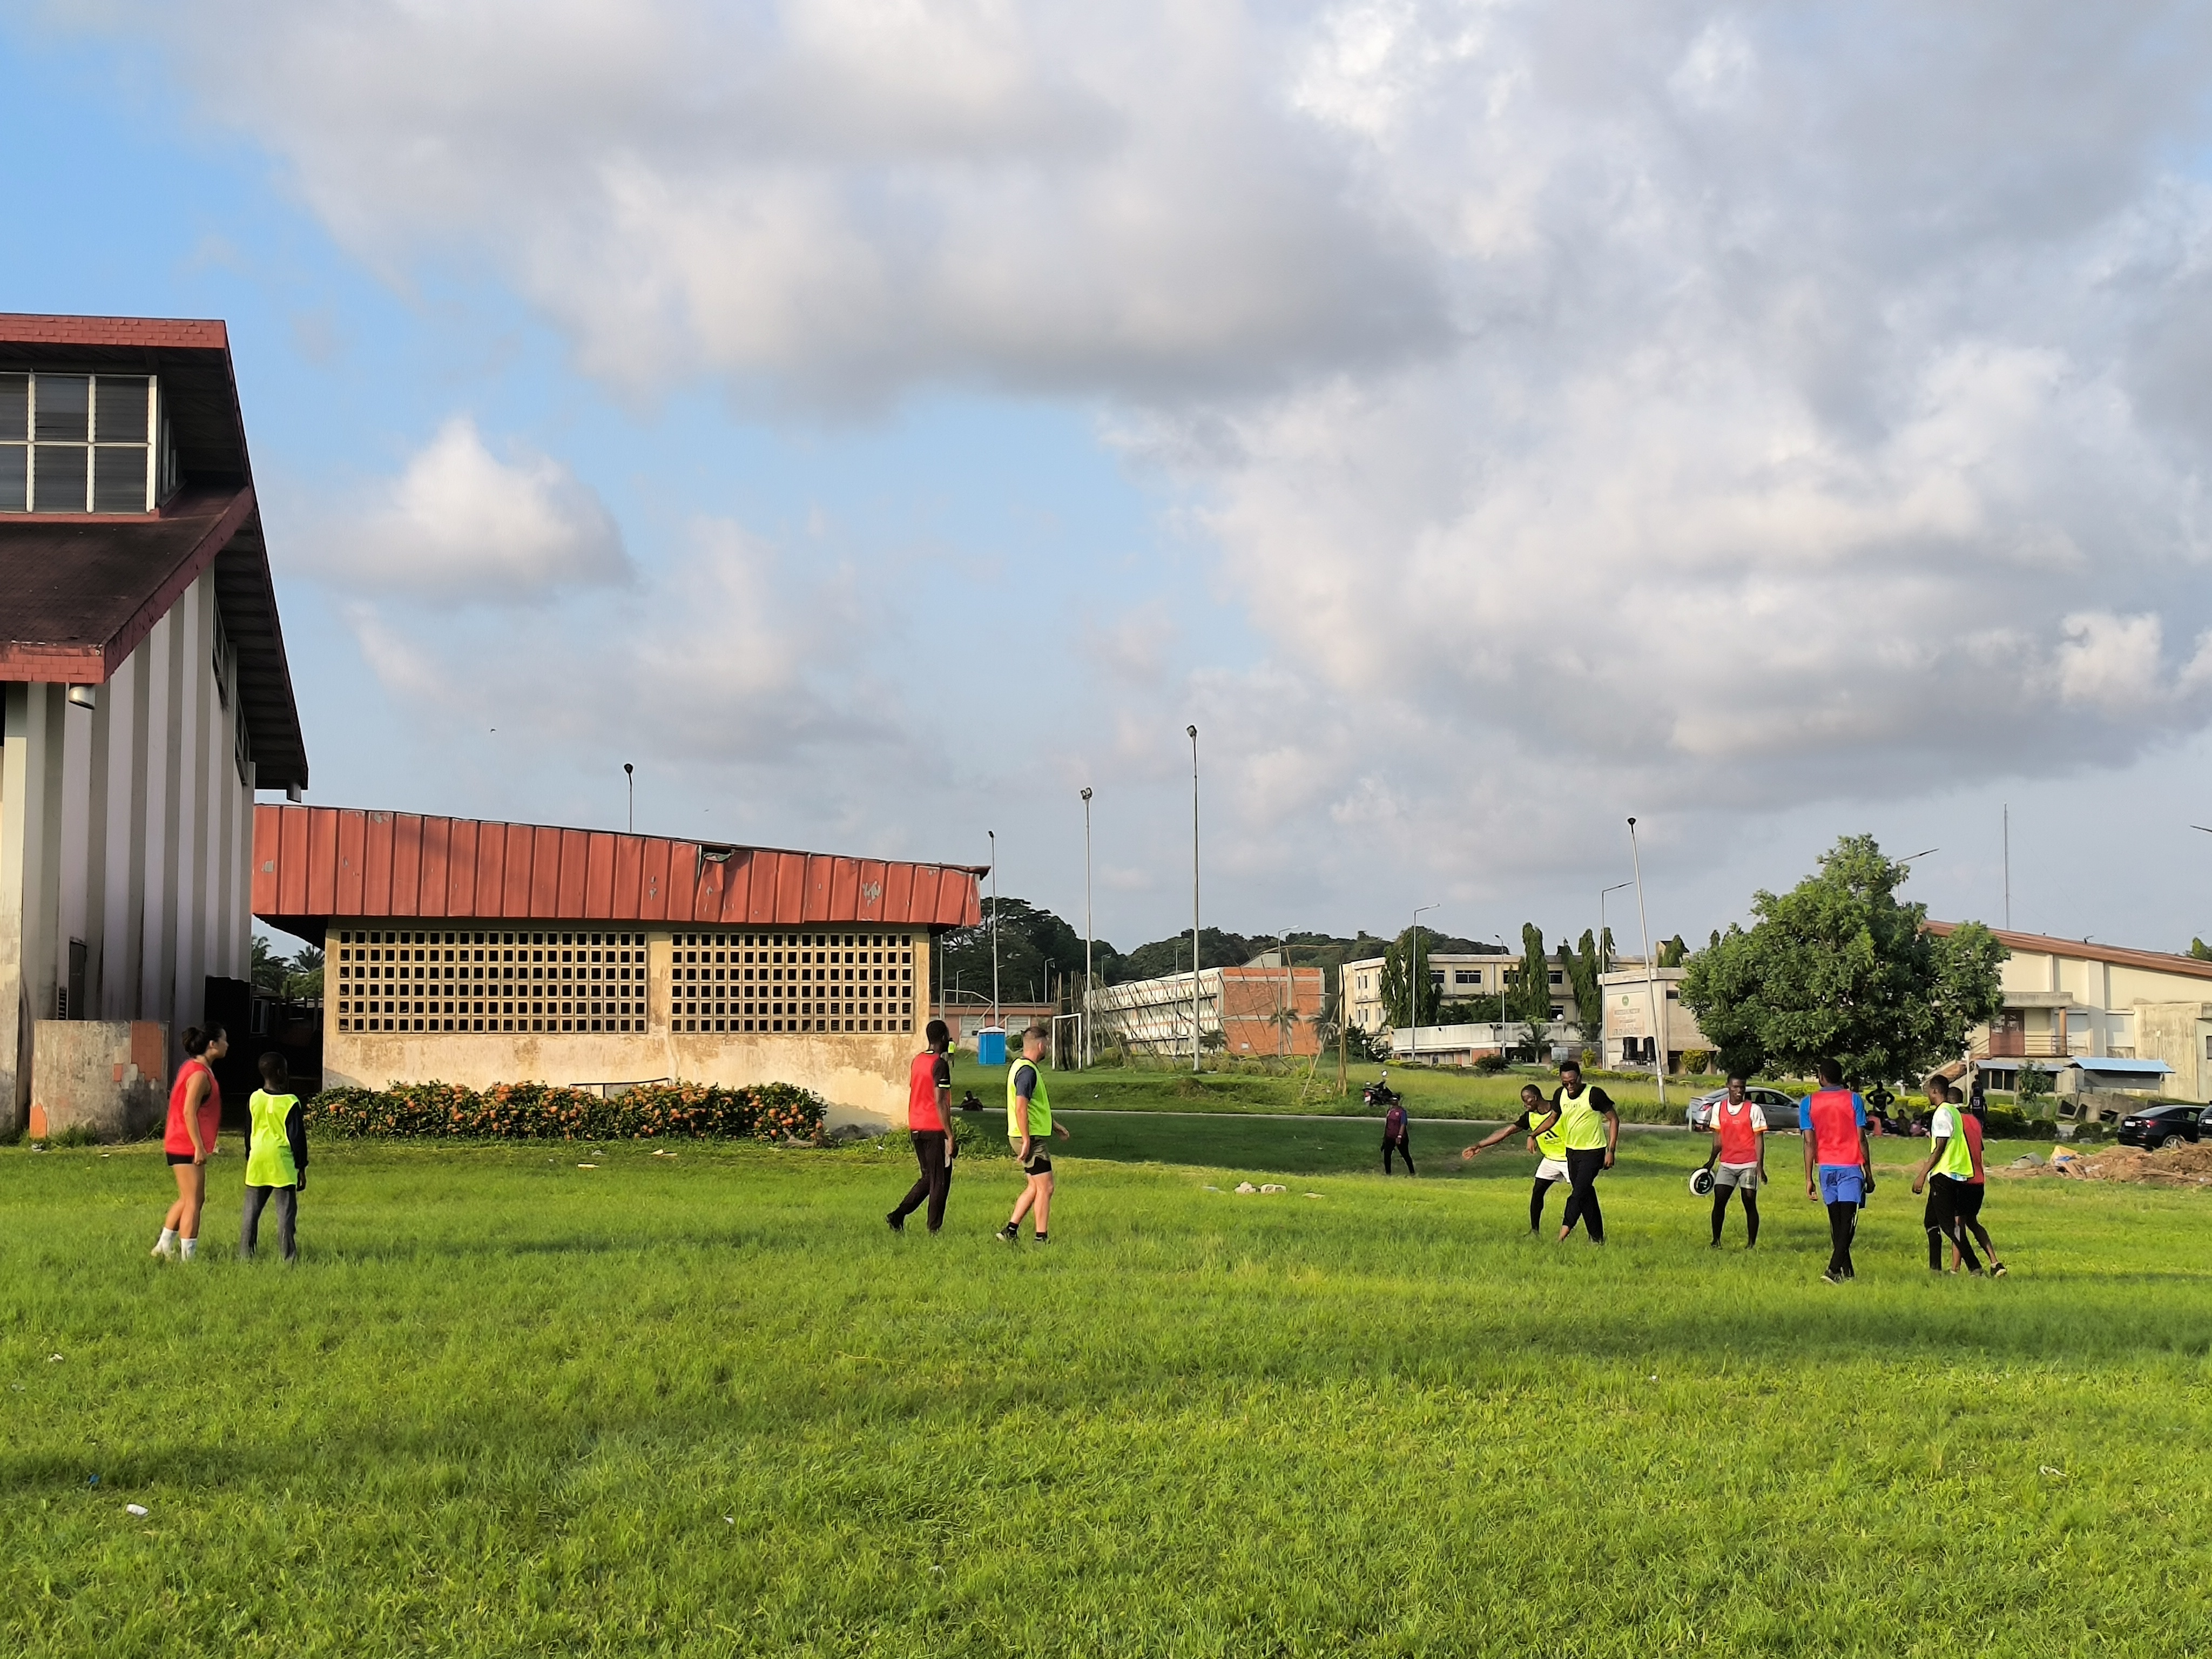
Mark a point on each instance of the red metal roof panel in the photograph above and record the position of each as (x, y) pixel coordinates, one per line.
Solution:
(315, 862)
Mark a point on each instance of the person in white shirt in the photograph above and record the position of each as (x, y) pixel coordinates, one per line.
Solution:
(1739, 1157)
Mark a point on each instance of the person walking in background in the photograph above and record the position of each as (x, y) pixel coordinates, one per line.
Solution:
(1540, 1121)
(1952, 1174)
(1978, 1100)
(1394, 1137)
(1838, 1169)
(275, 1160)
(1970, 1123)
(1589, 1124)
(1739, 1157)
(189, 1140)
(929, 1123)
(1030, 1127)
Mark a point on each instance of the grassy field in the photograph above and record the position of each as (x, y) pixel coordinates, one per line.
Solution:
(708, 1404)
(1428, 1093)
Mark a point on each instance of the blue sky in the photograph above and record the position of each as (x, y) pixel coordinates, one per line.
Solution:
(877, 435)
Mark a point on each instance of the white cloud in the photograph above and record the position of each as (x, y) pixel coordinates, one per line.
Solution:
(458, 522)
(1649, 401)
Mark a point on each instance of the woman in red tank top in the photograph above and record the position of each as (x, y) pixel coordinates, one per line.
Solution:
(195, 1114)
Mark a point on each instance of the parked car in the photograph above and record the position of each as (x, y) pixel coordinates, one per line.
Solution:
(1780, 1110)
(2155, 1126)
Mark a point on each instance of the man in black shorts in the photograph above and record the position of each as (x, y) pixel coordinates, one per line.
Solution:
(1030, 1127)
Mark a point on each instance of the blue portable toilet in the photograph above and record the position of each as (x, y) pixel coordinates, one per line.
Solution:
(990, 1048)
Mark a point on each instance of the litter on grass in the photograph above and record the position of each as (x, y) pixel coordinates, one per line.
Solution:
(2176, 1165)
(1246, 1187)
(134, 1508)
(1271, 1188)
(588, 1166)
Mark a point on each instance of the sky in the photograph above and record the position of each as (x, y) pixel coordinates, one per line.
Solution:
(877, 423)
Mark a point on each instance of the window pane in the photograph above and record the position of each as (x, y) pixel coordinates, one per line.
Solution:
(120, 408)
(14, 477)
(15, 407)
(56, 476)
(62, 402)
(118, 476)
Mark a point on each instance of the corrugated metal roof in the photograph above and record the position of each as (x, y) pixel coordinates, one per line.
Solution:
(312, 863)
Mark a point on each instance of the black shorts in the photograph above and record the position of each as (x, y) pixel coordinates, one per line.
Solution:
(182, 1157)
(1036, 1162)
(1966, 1200)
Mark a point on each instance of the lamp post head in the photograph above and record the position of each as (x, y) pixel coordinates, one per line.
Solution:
(1086, 794)
(1631, 823)
(627, 769)
(1193, 731)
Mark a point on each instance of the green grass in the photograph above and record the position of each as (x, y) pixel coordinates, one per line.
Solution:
(709, 1404)
(1453, 1094)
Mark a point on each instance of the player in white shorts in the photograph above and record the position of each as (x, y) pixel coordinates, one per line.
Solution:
(1539, 1120)
(1739, 1159)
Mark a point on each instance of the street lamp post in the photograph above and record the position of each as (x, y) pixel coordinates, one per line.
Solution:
(996, 1019)
(1504, 1037)
(1086, 930)
(1604, 949)
(1414, 978)
(1193, 899)
(1650, 984)
(629, 783)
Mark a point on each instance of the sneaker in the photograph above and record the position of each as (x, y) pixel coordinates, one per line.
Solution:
(1997, 1270)
(1832, 1276)
(895, 1221)
(1007, 1236)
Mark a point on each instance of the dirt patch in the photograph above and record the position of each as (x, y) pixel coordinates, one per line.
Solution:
(2177, 1165)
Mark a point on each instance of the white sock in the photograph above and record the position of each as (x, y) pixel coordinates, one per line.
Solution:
(167, 1241)
(191, 1248)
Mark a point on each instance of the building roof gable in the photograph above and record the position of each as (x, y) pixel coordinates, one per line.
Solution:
(79, 591)
(2119, 956)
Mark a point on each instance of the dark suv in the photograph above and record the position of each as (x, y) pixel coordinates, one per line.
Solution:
(2155, 1126)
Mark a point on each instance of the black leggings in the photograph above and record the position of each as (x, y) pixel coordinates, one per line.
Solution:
(1843, 1223)
(1584, 1163)
(1750, 1213)
(1536, 1202)
(1943, 1221)
(1403, 1146)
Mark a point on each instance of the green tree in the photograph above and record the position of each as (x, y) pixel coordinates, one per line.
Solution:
(303, 980)
(1581, 973)
(1529, 996)
(1837, 969)
(1672, 952)
(1029, 938)
(1171, 955)
(268, 970)
(2200, 950)
(1398, 1007)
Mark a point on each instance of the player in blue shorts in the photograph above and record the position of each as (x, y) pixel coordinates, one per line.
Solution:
(1838, 1169)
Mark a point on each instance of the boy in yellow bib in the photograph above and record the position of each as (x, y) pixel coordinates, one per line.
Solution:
(275, 1160)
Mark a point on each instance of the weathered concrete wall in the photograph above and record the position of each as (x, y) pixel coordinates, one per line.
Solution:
(2177, 1032)
(108, 1076)
(863, 1077)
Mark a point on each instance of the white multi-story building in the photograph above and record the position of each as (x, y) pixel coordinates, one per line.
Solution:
(1458, 977)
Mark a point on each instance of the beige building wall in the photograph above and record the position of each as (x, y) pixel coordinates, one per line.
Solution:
(1465, 977)
(1628, 1029)
(2083, 1001)
(862, 1074)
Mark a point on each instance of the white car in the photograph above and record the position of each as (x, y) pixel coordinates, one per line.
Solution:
(1780, 1110)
